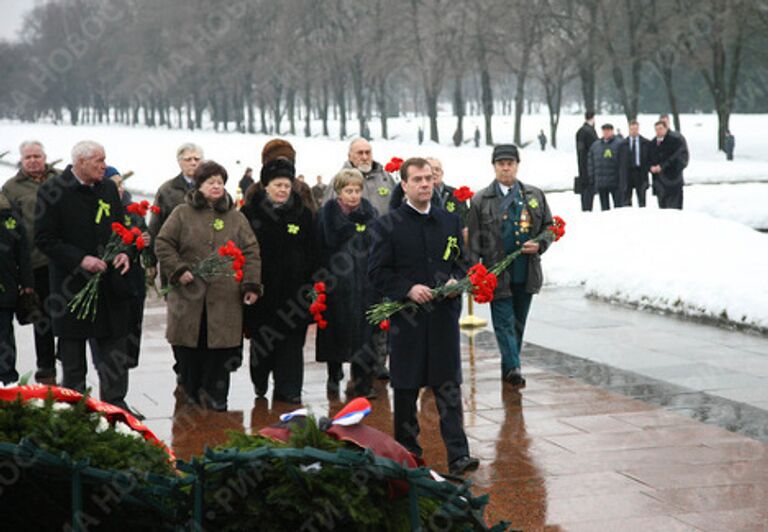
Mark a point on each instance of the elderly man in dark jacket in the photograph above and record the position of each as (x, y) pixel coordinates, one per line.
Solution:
(502, 219)
(416, 247)
(634, 165)
(172, 193)
(668, 158)
(603, 167)
(21, 191)
(585, 137)
(77, 211)
(378, 185)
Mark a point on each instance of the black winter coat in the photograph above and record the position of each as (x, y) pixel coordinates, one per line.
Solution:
(286, 238)
(67, 230)
(344, 242)
(671, 156)
(410, 248)
(15, 264)
(585, 137)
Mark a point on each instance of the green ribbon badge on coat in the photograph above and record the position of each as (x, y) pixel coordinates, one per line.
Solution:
(453, 244)
(607, 154)
(293, 229)
(534, 203)
(383, 191)
(360, 228)
(218, 224)
(10, 224)
(450, 206)
(104, 208)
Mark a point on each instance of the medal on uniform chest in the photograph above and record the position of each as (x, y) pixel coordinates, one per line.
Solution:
(525, 220)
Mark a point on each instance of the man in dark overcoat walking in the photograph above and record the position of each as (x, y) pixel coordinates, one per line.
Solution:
(417, 247)
(76, 211)
(667, 162)
(585, 137)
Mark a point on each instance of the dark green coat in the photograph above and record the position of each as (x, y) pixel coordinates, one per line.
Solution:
(15, 270)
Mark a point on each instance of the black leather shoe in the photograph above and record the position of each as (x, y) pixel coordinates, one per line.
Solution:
(284, 399)
(463, 464)
(515, 378)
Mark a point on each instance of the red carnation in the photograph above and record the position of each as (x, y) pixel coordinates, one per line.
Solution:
(239, 275)
(393, 165)
(557, 227)
(463, 194)
(319, 287)
(127, 238)
(483, 283)
(140, 244)
(155, 209)
(322, 324)
(384, 325)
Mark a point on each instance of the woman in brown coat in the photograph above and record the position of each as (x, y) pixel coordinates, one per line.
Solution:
(205, 317)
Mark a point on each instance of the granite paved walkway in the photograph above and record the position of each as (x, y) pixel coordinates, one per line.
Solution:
(581, 448)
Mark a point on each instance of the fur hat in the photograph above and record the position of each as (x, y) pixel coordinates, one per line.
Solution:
(281, 167)
(277, 148)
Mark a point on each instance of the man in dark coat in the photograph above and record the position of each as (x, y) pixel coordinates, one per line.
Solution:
(730, 144)
(667, 163)
(603, 167)
(21, 191)
(503, 218)
(172, 193)
(585, 137)
(417, 247)
(634, 157)
(77, 210)
(15, 278)
(684, 155)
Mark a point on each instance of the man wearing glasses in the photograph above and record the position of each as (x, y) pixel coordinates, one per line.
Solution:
(170, 194)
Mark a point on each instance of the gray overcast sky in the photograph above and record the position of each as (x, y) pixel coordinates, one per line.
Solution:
(11, 15)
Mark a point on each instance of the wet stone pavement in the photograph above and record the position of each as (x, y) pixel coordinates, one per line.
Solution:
(585, 446)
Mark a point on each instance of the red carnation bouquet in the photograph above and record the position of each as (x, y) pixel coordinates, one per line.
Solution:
(227, 258)
(319, 304)
(83, 304)
(480, 281)
(393, 165)
(462, 195)
(142, 208)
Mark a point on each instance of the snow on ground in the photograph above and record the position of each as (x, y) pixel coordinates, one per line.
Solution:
(662, 259)
(681, 261)
(150, 152)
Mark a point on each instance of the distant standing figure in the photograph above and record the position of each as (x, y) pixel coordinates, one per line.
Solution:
(730, 143)
(584, 139)
(318, 191)
(542, 140)
(421, 136)
(667, 163)
(603, 167)
(477, 137)
(634, 154)
(246, 181)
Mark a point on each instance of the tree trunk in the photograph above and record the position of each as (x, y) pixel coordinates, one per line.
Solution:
(458, 111)
(430, 99)
(291, 106)
(324, 109)
(339, 90)
(307, 108)
(263, 115)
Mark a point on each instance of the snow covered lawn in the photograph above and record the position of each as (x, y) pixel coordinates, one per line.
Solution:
(680, 261)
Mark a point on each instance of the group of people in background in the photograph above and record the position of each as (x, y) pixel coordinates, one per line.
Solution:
(364, 237)
(615, 168)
